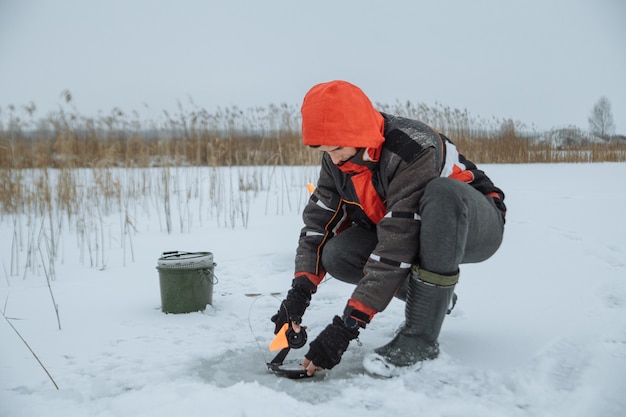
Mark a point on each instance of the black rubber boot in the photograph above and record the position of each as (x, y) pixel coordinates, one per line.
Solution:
(427, 303)
(401, 295)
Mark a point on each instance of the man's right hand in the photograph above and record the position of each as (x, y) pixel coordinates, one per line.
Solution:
(292, 308)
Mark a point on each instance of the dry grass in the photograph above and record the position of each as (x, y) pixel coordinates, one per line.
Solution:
(99, 179)
(262, 136)
(66, 160)
(227, 138)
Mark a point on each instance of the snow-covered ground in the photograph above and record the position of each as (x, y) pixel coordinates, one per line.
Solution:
(539, 330)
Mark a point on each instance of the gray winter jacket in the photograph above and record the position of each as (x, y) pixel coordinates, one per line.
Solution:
(412, 155)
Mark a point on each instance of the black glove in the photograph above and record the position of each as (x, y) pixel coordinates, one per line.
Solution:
(326, 350)
(292, 308)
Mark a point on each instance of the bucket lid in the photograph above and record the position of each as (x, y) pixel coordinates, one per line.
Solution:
(185, 260)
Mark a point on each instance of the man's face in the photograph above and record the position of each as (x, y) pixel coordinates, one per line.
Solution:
(338, 154)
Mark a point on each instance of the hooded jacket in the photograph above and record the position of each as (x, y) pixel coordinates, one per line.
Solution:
(381, 186)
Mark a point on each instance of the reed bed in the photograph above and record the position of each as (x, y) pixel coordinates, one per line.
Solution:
(71, 172)
(259, 136)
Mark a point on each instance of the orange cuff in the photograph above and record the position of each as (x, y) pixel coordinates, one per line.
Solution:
(357, 305)
(315, 279)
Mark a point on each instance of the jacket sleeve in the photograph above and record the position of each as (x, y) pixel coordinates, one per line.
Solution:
(398, 232)
(323, 217)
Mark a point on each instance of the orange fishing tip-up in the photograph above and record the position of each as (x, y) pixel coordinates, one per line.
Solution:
(286, 339)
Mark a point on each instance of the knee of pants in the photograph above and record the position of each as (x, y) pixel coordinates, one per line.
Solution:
(335, 265)
(329, 258)
(459, 225)
(445, 192)
(341, 265)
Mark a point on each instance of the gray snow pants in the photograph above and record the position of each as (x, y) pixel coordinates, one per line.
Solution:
(459, 225)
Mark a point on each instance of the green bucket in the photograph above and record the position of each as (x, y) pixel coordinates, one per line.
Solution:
(186, 280)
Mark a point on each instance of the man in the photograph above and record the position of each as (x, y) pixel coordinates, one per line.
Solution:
(396, 210)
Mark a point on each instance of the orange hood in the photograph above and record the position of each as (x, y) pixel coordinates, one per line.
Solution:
(338, 113)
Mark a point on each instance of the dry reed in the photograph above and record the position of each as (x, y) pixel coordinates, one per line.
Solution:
(82, 169)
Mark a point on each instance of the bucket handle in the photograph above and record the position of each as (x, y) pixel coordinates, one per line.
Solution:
(175, 253)
(203, 273)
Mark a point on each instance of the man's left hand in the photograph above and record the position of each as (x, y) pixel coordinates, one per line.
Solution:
(326, 350)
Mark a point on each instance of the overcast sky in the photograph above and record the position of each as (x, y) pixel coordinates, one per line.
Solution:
(542, 62)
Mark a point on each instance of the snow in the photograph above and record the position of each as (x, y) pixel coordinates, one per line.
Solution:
(539, 329)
